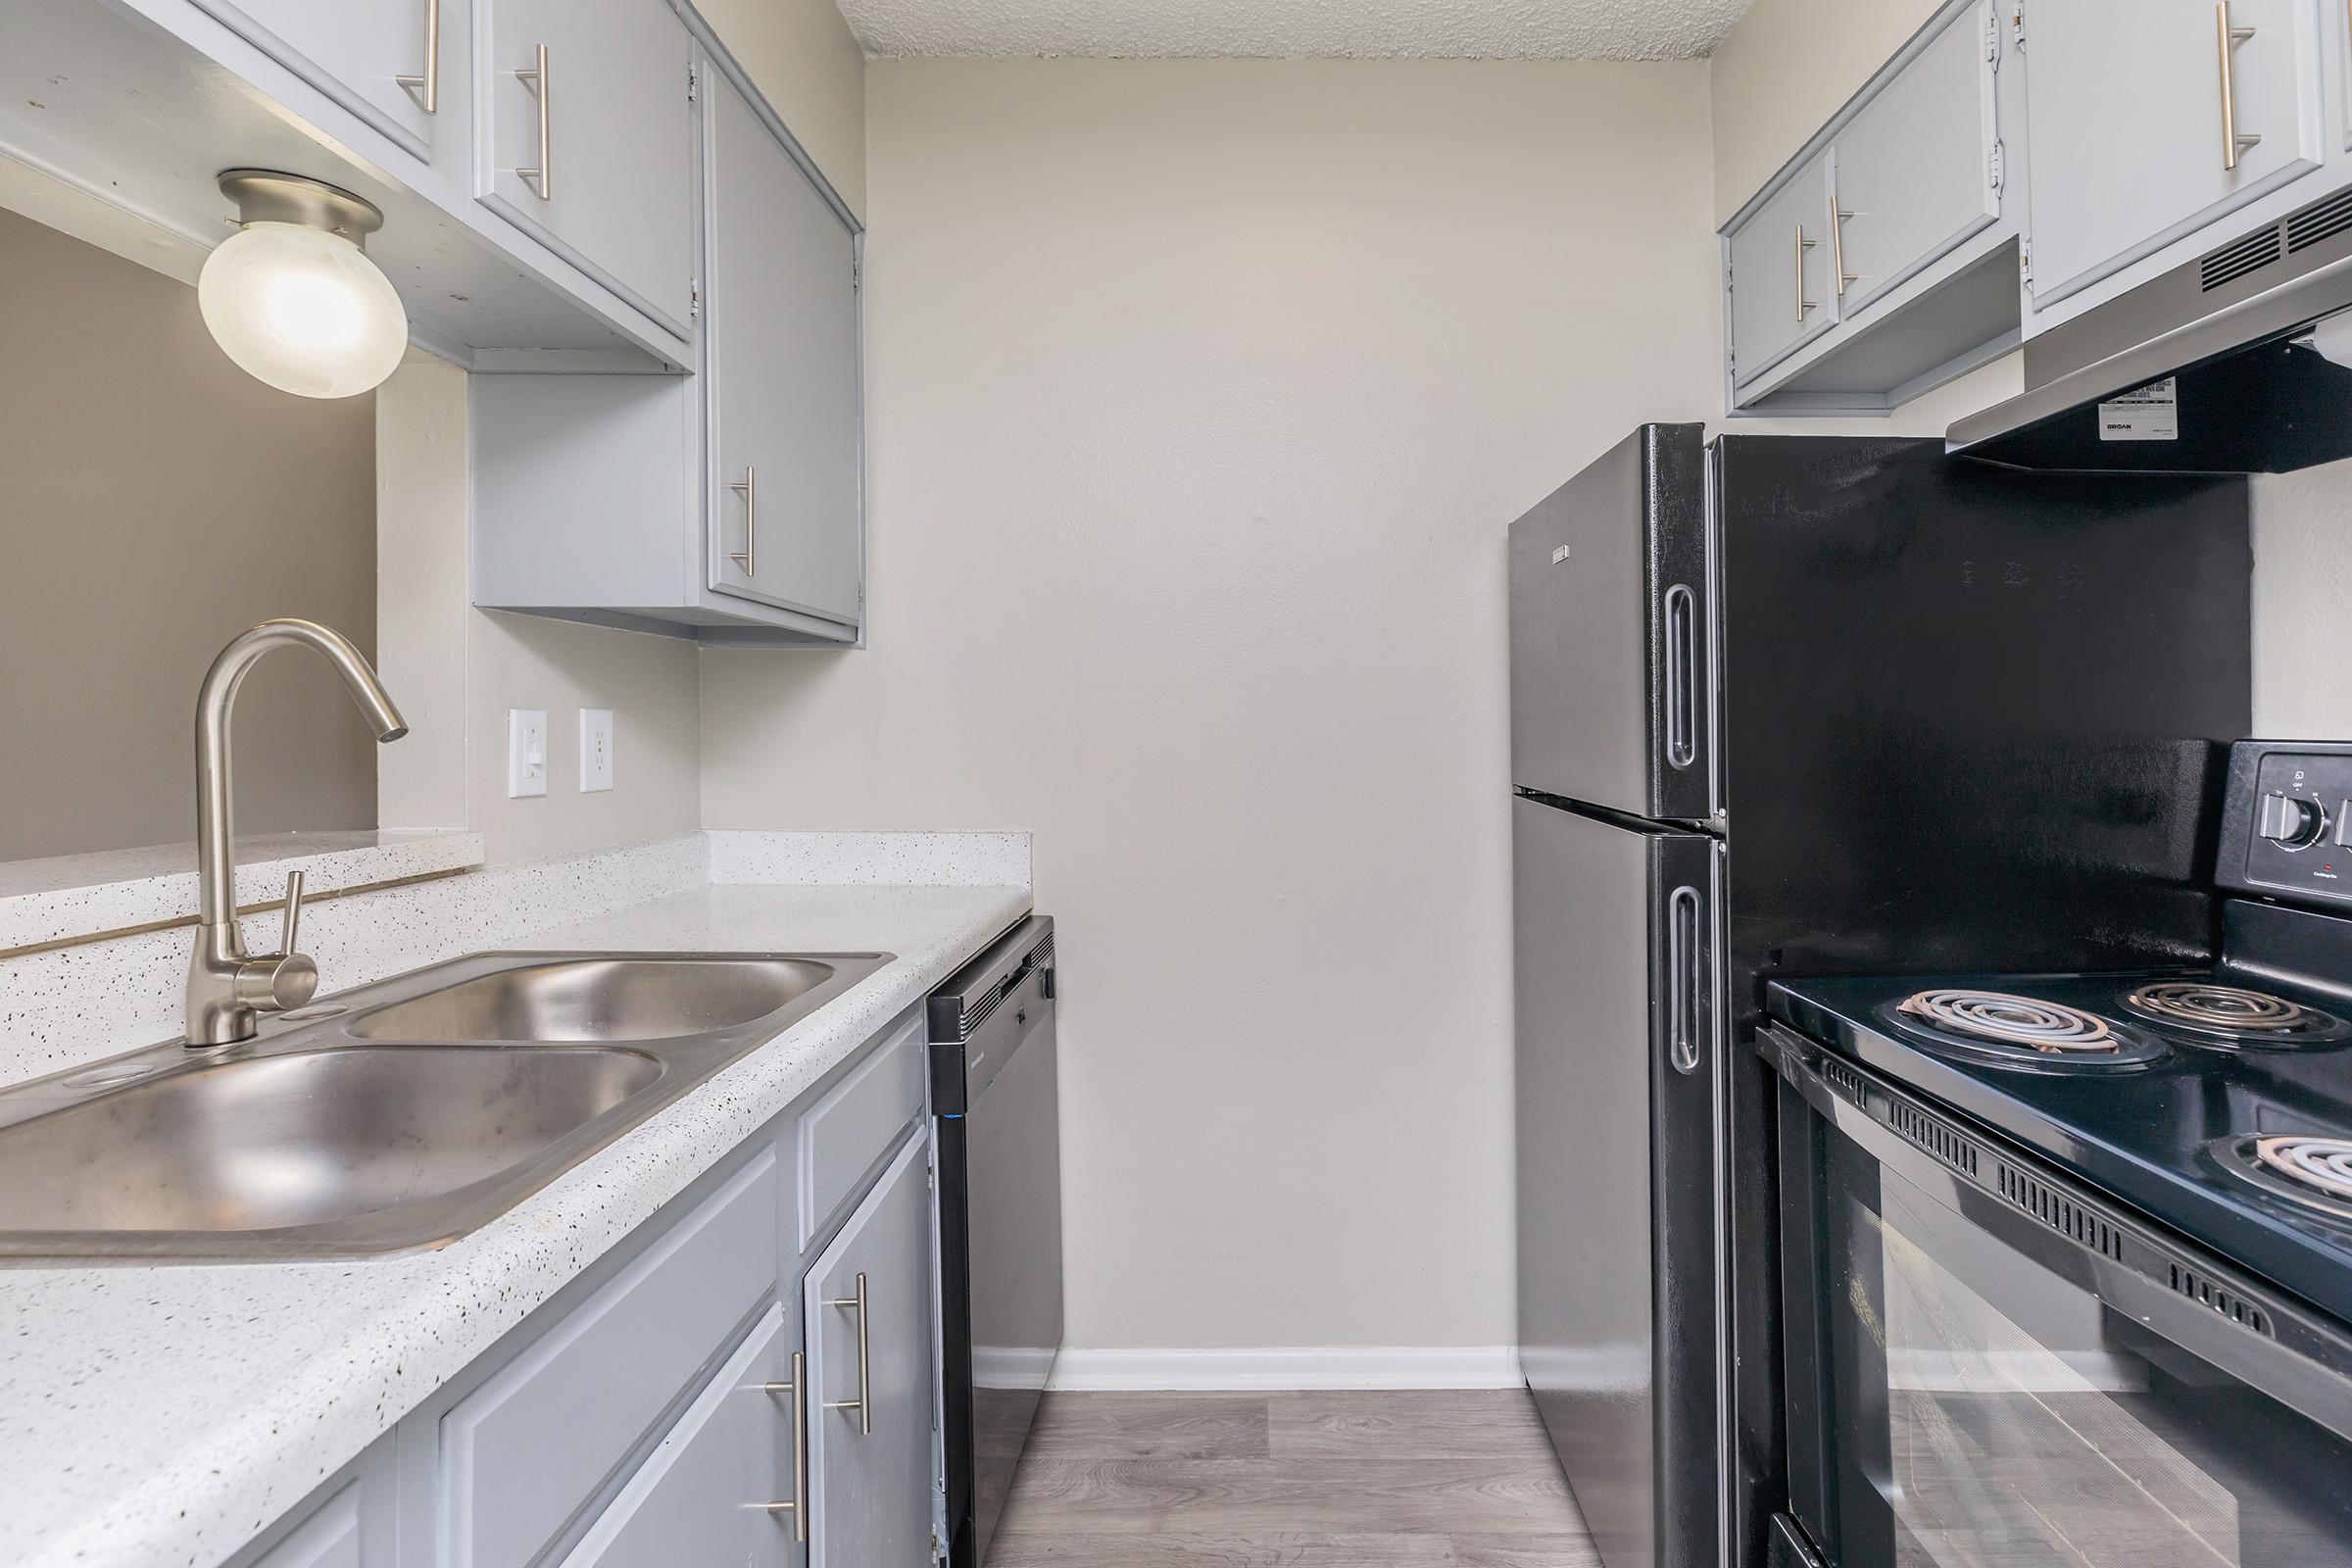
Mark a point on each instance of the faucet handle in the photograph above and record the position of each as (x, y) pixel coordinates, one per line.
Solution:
(280, 981)
(292, 928)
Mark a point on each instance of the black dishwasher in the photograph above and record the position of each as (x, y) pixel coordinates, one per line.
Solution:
(994, 1092)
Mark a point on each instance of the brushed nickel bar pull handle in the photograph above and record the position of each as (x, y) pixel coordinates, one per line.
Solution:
(541, 179)
(798, 1388)
(748, 490)
(2226, 39)
(426, 89)
(1845, 279)
(863, 1405)
(1804, 306)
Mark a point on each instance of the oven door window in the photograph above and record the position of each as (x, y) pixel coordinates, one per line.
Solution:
(1984, 1412)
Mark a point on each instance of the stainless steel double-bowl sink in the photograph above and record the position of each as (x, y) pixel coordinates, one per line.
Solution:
(398, 1115)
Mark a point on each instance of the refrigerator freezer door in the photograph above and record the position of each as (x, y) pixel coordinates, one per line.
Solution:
(1612, 610)
(1619, 1056)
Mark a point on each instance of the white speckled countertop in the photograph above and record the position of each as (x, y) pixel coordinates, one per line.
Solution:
(166, 1415)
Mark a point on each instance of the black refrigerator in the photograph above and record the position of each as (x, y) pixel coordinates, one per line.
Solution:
(1791, 704)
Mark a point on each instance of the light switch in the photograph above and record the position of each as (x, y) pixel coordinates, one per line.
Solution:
(596, 750)
(526, 752)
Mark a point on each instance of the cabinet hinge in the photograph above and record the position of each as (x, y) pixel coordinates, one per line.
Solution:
(1995, 165)
(2025, 260)
(693, 82)
(2017, 23)
(694, 299)
(1993, 35)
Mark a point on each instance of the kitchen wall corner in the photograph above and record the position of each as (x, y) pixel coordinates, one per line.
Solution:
(456, 671)
(1200, 393)
(802, 57)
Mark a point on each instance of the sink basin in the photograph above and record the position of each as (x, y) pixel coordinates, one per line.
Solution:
(601, 999)
(408, 1114)
(303, 1138)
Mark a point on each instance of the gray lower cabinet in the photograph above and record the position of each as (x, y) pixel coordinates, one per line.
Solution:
(649, 1415)
(350, 1528)
(718, 1489)
(586, 140)
(872, 1441)
(380, 59)
(2147, 121)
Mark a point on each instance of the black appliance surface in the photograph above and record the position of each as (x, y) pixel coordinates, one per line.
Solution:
(2104, 1217)
(1787, 705)
(1992, 1362)
(995, 1095)
(2164, 1135)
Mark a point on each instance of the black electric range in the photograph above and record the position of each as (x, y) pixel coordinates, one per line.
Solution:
(2217, 1102)
(2067, 1258)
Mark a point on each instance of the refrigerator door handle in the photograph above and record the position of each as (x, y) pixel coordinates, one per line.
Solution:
(1681, 682)
(1685, 1007)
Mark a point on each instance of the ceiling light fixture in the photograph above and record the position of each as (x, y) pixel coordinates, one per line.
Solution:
(291, 297)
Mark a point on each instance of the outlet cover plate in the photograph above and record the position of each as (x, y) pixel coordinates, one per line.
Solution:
(526, 752)
(596, 750)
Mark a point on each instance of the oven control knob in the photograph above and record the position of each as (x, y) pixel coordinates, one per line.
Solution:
(2293, 822)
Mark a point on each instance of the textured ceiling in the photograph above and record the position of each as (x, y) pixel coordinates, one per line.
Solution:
(1460, 30)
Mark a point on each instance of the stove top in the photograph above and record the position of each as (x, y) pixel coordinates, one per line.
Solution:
(2218, 1102)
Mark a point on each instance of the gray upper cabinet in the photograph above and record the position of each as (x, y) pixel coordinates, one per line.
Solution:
(1915, 171)
(1781, 292)
(2148, 118)
(728, 505)
(380, 59)
(867, 1306)
(780, 372)
(586, 140)
(1881, 261)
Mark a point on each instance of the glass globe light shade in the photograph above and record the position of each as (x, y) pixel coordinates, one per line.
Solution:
(303, 309)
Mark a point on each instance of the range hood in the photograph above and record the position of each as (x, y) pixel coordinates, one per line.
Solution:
(2239, 361)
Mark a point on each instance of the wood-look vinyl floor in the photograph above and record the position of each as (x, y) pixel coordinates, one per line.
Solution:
(1340, 1479)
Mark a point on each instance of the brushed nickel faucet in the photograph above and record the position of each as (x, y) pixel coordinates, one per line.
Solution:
(229, 989)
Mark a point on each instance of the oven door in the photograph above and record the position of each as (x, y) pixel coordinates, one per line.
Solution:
(1993, 1367)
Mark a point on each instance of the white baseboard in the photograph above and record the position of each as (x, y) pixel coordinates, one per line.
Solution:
(1471, 1366)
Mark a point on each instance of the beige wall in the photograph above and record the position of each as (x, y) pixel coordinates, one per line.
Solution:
(808, 66)
(456, 669)
(1199, 394)
(155, 501)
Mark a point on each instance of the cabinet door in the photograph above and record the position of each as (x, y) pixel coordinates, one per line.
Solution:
(2126, 129)
(380, 59)
(781, 366)
(596, 156)
(1913, 173)
(703, 1496)
(1781, 292)
(868, 1311)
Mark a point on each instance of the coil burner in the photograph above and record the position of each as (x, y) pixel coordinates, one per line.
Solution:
(2002, 1030)
(2231, 1016)
(2315, 1172)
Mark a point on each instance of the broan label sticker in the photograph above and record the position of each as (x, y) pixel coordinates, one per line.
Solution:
(2151, 414)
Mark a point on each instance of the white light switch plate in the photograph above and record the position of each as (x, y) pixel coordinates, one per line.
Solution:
(596, 750)
(526, 752)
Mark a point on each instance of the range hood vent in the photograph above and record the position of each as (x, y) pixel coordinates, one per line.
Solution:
(2214, 368)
